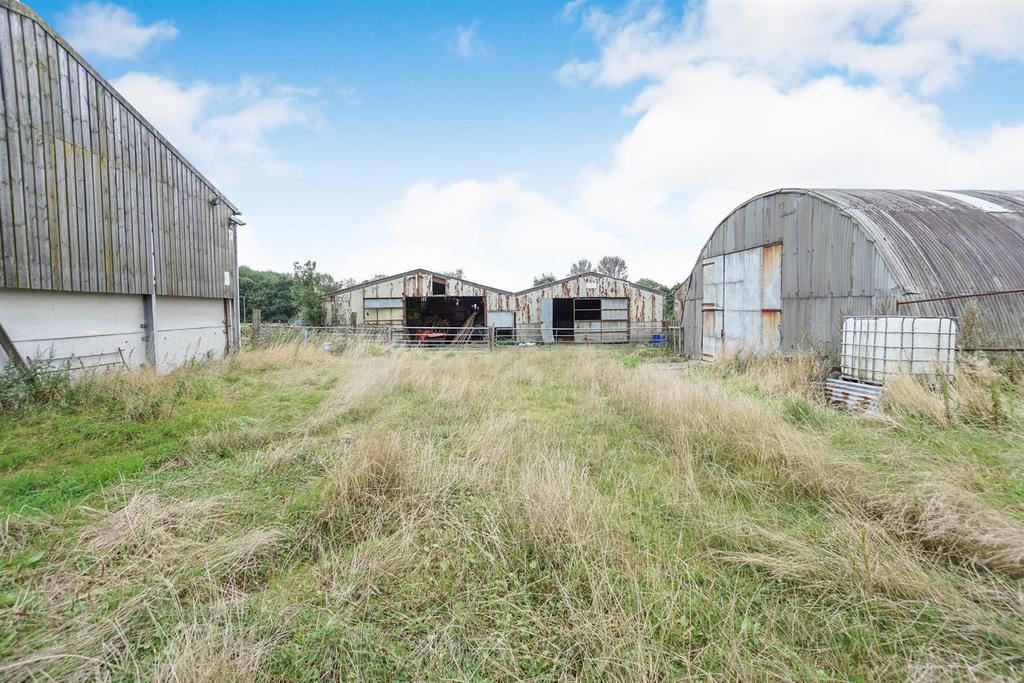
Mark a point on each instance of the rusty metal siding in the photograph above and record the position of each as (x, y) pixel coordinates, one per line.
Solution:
(771, 277)
(86, 181)
(340, 305)
(644, 305)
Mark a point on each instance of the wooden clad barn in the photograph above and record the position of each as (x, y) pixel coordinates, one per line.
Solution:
(114, 249)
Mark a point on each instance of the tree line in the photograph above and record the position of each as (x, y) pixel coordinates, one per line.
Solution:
(295, 297)
(298, 296)
(287, 297)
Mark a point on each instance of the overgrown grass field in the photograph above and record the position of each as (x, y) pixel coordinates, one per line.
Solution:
(525, 514)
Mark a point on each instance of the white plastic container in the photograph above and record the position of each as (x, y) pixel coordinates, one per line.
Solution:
(874, 348)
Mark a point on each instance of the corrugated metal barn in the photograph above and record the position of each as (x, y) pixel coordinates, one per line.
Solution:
(784, 268)
(584, 308)
(589, 308)
(114, 249)
(420, 298)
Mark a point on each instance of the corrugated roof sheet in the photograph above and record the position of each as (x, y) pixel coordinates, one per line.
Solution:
(942, 243)
(937, 242)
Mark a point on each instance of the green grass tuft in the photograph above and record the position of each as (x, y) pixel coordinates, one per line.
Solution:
(531, 513)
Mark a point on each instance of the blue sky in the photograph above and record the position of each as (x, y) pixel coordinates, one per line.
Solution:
(512, 138)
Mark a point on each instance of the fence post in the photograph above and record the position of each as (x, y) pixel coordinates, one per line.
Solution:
(491, 336)
(255, 327)
(305, 336)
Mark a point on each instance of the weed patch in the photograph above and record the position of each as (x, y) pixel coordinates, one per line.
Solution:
(568, 513)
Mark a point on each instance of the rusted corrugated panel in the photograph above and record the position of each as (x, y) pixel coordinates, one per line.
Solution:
(417, 283)
(945, 243)
(853, 395)
(644, 305)
(771, 330)
(771, 277)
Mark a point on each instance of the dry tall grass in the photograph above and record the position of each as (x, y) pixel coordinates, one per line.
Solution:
(975, 395)
(531, 514)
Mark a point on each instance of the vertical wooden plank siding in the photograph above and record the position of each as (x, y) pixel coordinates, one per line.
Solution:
(53, 126)
(73, 257)
(24, 218)
(89, 191)
(83, 176)
(41, 270)
(8, 257)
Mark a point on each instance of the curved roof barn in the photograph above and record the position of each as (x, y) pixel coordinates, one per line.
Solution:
(941, 243)
(864, 252)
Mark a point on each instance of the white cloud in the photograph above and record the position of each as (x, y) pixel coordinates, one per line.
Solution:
(499, 231)
(734, 99)
(924, 44)
(225, 130)
(571, 8)
(105, 30)
(721, 118)
(465, 42)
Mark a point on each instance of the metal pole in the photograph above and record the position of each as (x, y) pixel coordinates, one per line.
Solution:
(952, 297)
(8, 346)
(149, 303)
(236, 323)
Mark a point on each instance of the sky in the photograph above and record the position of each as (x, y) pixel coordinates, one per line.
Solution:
(511, 139)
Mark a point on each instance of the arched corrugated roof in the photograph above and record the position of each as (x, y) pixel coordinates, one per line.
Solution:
(941, 243)
(944, 243)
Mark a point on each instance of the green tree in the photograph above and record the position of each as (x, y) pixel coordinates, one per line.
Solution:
(308, 289)
(652, 284)
(543, 279)
(269, 291)
(582, 266)
(670, 301)
(613, 266)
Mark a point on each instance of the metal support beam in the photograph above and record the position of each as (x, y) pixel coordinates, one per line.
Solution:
(149, 315)
(236, 323)
(8, 346)
(953, 297)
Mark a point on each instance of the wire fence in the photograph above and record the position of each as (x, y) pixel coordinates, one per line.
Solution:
(460, 338)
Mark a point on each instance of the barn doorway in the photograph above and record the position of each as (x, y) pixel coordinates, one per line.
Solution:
(446, 315)
(562, 319)
(590, 320)
(742, 302)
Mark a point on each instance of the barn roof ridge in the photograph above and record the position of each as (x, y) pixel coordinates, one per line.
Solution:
(374, 281)
(29, 13)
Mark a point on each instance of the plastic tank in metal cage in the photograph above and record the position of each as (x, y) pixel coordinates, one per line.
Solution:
(873, 348)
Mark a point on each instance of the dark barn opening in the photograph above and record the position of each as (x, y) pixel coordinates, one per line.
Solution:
(587, 309)
(449, 317)
(562, 319)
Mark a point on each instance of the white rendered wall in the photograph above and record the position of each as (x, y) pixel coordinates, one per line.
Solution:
(99, 330)
(84, 329)
(189, 329)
